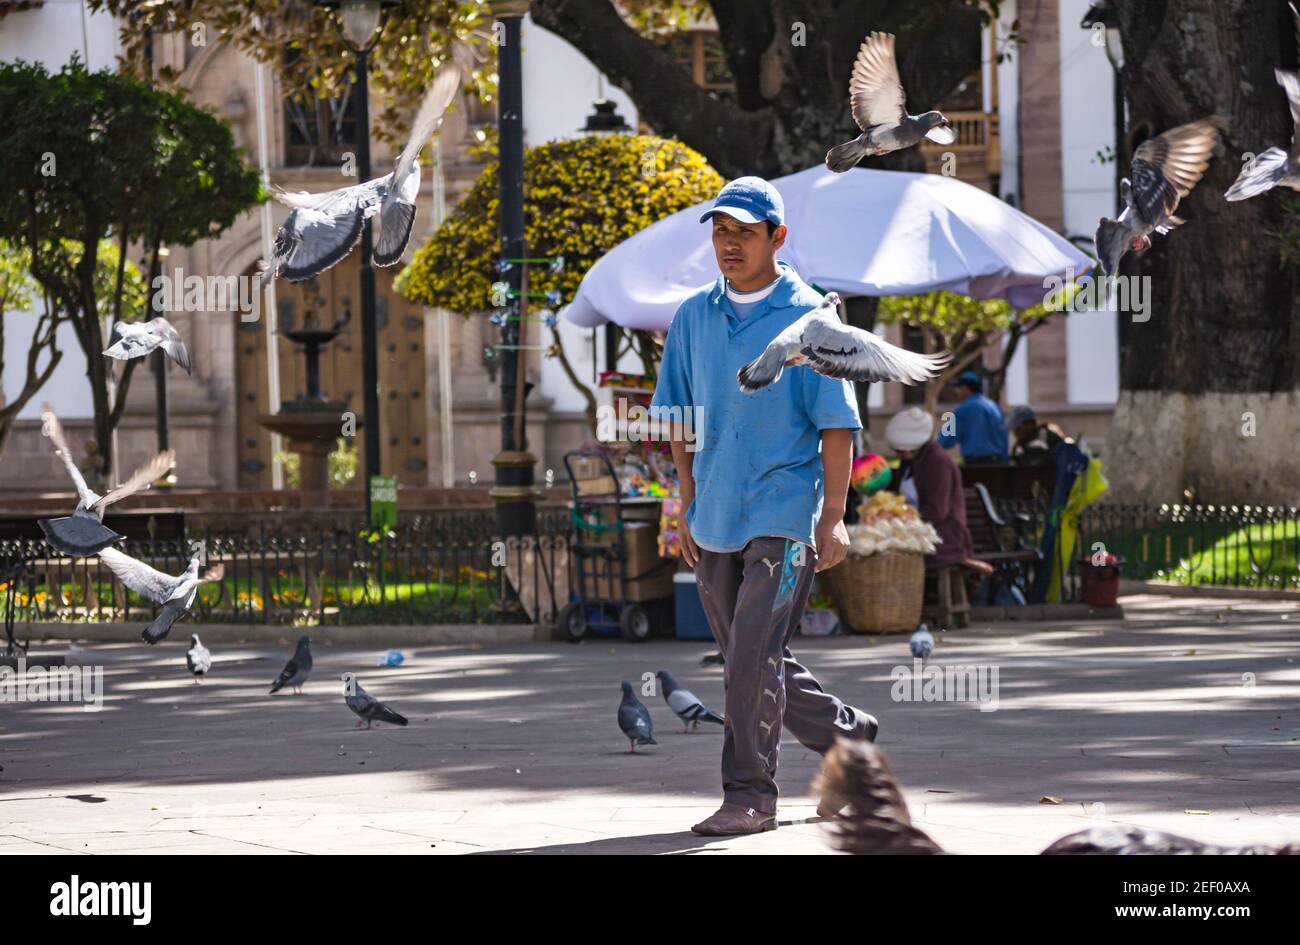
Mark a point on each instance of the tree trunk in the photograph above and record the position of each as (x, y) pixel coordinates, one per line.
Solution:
(791, 101)
(1207, 408)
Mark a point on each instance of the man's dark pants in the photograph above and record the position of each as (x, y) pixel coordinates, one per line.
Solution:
(754, 599)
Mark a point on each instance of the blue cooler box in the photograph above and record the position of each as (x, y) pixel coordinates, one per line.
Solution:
(692, 624)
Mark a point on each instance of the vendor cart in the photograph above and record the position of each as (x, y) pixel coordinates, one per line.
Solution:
(604, 598)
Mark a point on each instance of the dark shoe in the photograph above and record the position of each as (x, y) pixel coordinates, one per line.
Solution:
(732, 819)
(829, 808)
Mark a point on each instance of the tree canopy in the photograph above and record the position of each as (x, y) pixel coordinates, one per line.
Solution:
(90, 156)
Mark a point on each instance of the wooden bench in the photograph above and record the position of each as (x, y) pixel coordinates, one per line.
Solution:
(997, 543)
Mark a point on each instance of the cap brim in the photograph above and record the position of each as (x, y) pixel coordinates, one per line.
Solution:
(736, 213)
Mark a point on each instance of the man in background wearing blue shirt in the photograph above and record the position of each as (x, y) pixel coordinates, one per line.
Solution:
(764, 493)
(980, 432)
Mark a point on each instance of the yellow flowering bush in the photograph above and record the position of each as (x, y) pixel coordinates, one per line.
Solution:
(582, 197)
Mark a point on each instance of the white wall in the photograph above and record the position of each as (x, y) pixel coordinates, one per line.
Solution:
(559, 86)
(51, 35)
(1087, 127)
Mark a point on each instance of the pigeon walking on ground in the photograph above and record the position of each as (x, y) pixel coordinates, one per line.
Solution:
(198, 658)
(922, 643)
(136, 339)
(875, 819)
(297, 670)
(83, 532)
(1274, 167)
(1164, 171)
(683, 702)
(822, 342)
(322, 228)
(879, 107)
(634, 720)
(367, 708)
(175, 594)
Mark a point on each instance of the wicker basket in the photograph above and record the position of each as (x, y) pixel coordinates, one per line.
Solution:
(879, 593)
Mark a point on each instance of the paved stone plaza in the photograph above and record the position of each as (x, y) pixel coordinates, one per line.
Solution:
(1186, 705)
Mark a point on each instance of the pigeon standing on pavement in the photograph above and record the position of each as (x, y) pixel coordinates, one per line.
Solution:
(822, 342)
(83, 532)
(176, 594)
(878, 104)
(322, 228)
(198, 658)
(683, 702)
(922, 643)
(634, 720)
(1164, 171)
(298, 668)
(367, 708)
(136, 339)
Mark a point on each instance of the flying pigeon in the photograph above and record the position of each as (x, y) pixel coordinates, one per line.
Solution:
(922, 643)
(298, 668)
(83, 532)
(824, 343)
(136, 339)
(367, 707)
(1274, 167)
(176, 594)
(198, 658)
(1164, 170)
(878, 104)
(634, 720)
(322, 228)
(683, 702)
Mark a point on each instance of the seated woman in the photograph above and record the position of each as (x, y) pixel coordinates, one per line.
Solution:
(930, 480)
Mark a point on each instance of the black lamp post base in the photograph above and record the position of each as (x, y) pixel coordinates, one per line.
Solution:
(514, 494)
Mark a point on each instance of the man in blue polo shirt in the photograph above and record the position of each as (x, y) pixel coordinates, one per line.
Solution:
(979, 431)
(764, 491)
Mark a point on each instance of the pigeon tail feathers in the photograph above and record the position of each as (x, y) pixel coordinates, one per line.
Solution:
(845, 156)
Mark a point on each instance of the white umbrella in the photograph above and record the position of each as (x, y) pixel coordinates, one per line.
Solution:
(865, 232)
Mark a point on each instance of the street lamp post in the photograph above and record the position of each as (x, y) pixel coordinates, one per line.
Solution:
(513, 491)
(361, 24)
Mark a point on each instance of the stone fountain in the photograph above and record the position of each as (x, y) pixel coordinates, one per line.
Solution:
(311, 423)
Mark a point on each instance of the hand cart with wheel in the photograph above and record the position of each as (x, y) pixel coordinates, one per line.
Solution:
(599, 597)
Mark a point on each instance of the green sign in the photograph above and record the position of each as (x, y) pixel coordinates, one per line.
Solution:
(383, 502)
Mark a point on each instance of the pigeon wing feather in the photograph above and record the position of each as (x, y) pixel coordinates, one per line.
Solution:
(138, 576)
(842, 351)
(141, 479)
(54, 430)
(875, 90)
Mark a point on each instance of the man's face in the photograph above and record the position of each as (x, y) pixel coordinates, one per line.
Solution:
(745, 251)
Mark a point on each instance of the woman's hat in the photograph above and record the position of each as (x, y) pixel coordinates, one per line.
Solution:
(910, 429)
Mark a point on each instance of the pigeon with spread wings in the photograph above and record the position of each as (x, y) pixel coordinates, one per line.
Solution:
(1275, 167)
(322, 229)
(822, 342)
(1164, 171)
(83, 532)
(879, 107)
(136, 339)
(175, 593)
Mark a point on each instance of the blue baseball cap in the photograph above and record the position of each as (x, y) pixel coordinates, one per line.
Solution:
(969, 379)
(749, 200)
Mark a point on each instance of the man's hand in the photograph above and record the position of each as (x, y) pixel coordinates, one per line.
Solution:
(690, 550)
(832, 539)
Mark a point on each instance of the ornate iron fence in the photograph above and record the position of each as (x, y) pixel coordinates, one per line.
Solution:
(1214, 545)
(445, 569)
